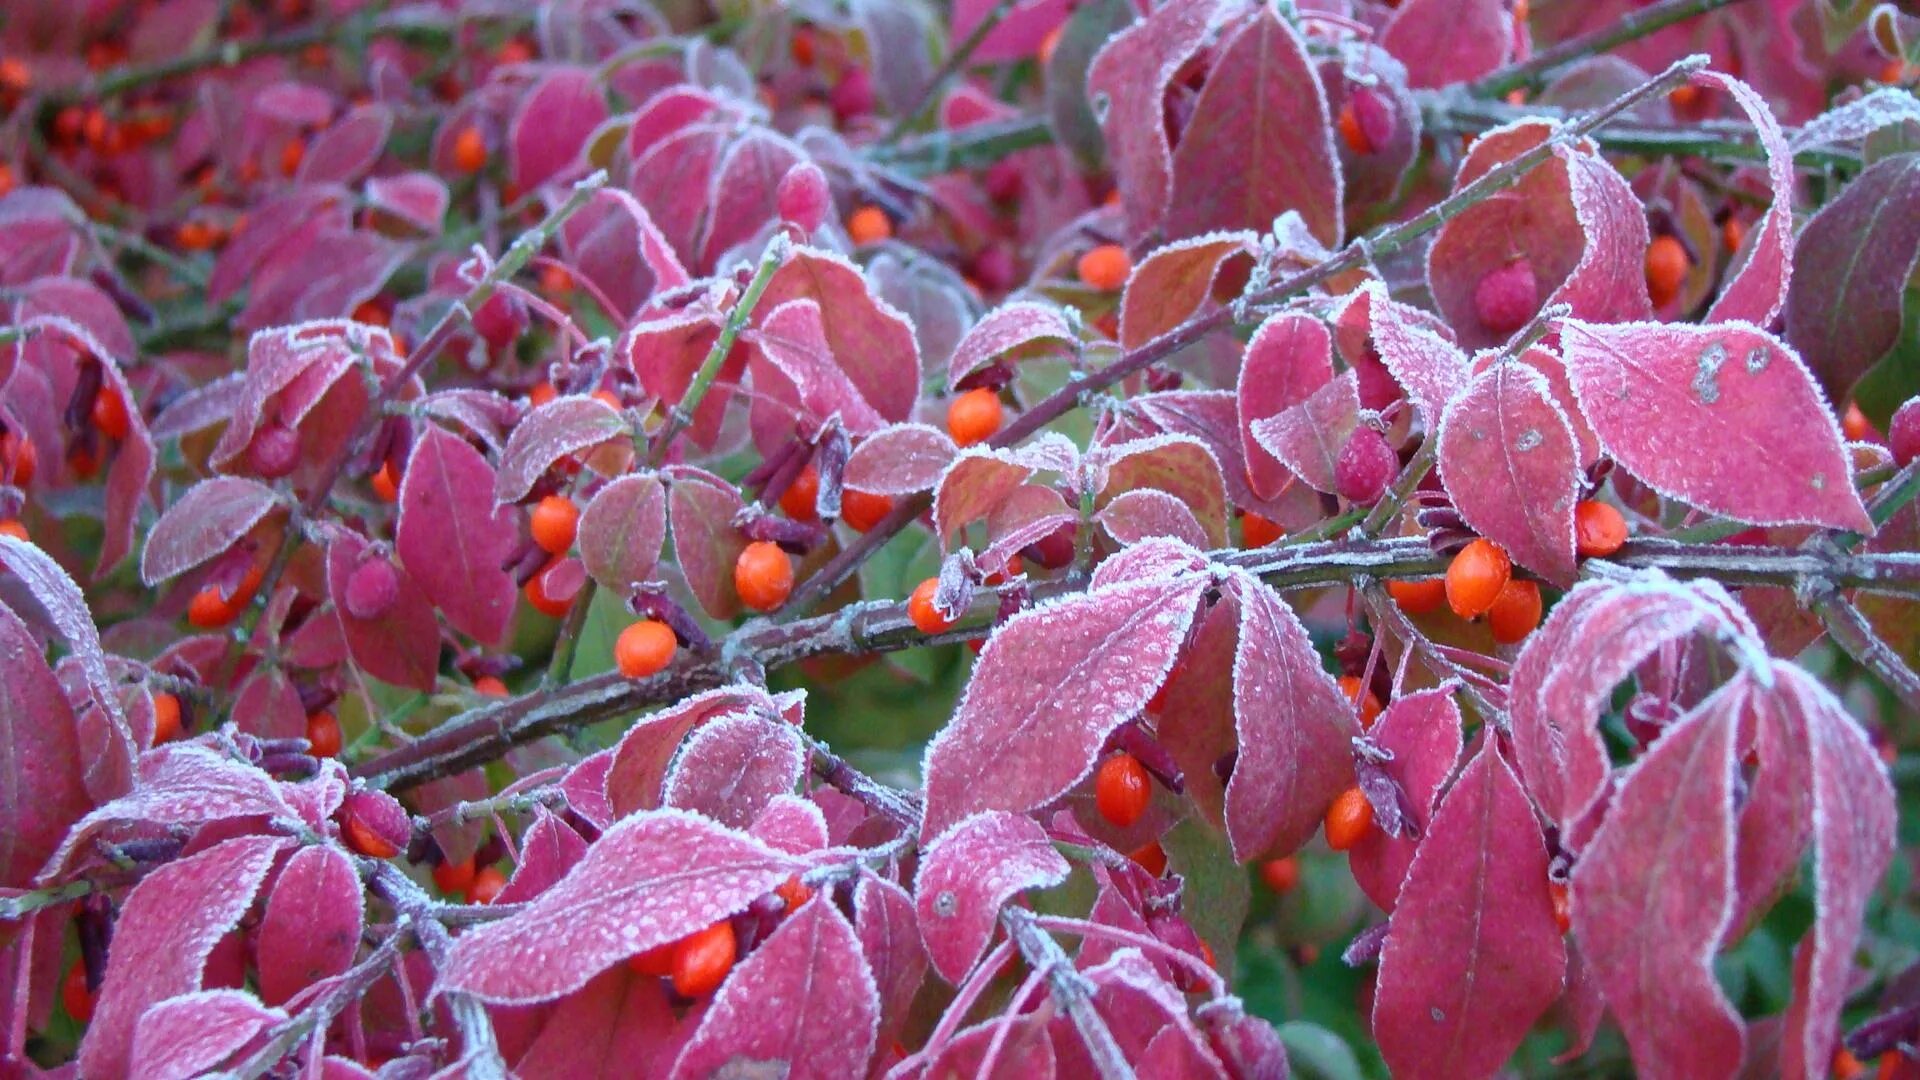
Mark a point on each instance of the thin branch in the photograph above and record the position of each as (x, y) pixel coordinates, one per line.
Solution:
(930, 94)
(1629, 27)
(1071, 990)
(347, 988)
(1853, 633)
(682, 413)
(481, 1054)
(981, 144)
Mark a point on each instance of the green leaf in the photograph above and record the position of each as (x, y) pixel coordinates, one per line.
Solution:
(1318, 1054)
(1217, 893)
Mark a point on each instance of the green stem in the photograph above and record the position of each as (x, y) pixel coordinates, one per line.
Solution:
(982, 144)
(954, 62)
(1617, 32)
(683, 410)
(26, 903)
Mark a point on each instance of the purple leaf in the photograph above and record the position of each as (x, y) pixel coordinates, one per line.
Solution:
(1131, 73)
(311, 928)
(334, 273)
(1431, 367)
(290, 372)
(618, 1019)
(706, 544)
(203, 523)
(871, 342)
(1050, 685)
(268, 705)
(452, 537)
(1134, 516)
(968, 874)
(167, 928)
(548, 851)
(621, 532)
(1289, 357)
(900, 460)
(1509, 461)
(417, 198)
(552, 124)
(1474, 956)
(1231, 170)
(614, 245)
(1756, 288)
(731, 767)
(1294, 727)
(401, 644)
(1422, 732)
(181, 784)
(649, 879)
(1695, 412)
(1177, 281)
(1179, 465)
(42, 788)
(1026, 1051)
(1653, 892)
(889, 933)
(1015, 331)
(346, 151)
(192, 1034)
(673, 178)
(804, 1003)
(1448, 41)
(1307, 437)
(560, 428)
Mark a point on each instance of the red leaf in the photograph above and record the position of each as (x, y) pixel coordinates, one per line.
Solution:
(1132, 72)
(268, 705)
(418, 198)
(792, 824)
(621, 532)
(192, 1034)
(1474, 956)
(311, 928)
(167, 928)
(639, 765)
(1026, 1050)
(1653, 892)
(799, 380)
(1134, 516)
(978, 481)
(1422, 732)
(1756, 287)
(706, 544)
(900, 460)
(1018, 33)
(743, 189)
(452, 537)
(552, 124)
(649, 879)
(730, 767)
(1196, 716)
(1014, 331)
(1233, 169)
(181, 784)
(42, 789)
(290, 372)
(968, 874)
(1307, 437)
(1416, 354)
(203, 523)
(1448, 41)
(673, 178)
(346, 151)
(1289, 357)
(1777, 821)
(1177, 281)
(1294, 726)
(334, 273)
(64, 609)
(1509, 461)
(618, 1020)
(804, 1003)
(585, 787)
(889, 933)
(1179, 465)
(1050, 685)
(1029, 514)
(560, 428)
(871, 342)
(1697, 413)
(549, 850)
(402, 644)
(614, 244)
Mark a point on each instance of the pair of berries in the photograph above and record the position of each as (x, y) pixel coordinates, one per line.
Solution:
(1480, 582)
(859, 509)
(697, 963)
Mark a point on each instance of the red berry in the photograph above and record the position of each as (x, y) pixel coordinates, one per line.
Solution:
(323, 735)
(1475, 578)
(166, 718)
(702, 961)
(1348, 819)
(1150, 857)
(802, 198)
(644, 648)
(554, 523)
(862, 510)
(17, 454)
(1364, 701)
(501, 319)
(543, 601)
(1418, 597)
(1365, 467)
(110, 413)
(1055, 549)
(793, 892)
(921, 609)
(656, 962)
(363, 840)
(1258, 532)
(1506, 298)
(1599, 530)
(1281, 875)
(15, 529)
(1667, 266)
(470, 150)
(1562, 906)
(454, 877)
(1515, 611)
(802, 498)
(490, 686)
(1122, 789)
(75, 996)
(487, 883)
(386, 483)
(1352, 133)
(974, 416)
(763, 575)
(1903, 433)
(372, 588)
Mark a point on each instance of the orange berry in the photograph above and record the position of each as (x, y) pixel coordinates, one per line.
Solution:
(25, 458)
(1515, 612)
(1281, 875)
(1562, 905)
(1122, 789)
(1685, 98)
(489, 686)
(291, 155)
(1598, 529)
(1348, 819)
(75, 996)
(862, 510)
(386, 484)
(1475, 578)
(15, 76)
(554, 523)
(1732, 233)
(208, 610)
(361, 838)
(1106, 267)
(800, 46)
(1352, 132)
(763, 575)
(974, 416)
(541, 394)
(921, 610)
(194, 236)
(454, 877)
(1258, 532)
(323, 735)
(110, 413)
(702, 961)
(1418, 597)
(610, 399)
(371, 313)
(555, 281)
(793, 892)
(656, 962)
(13, 528)
(1667, 266)
(545, 603)
(869, 225)
(1050, 44)
(166, 718)
(800, 500)
(470, 150)
(1150, 857)
(487, 883)
(1855, 425)
(1364, 700)
(644, 648)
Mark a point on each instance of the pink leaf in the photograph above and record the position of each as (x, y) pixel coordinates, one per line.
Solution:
(804, 1003)
(311, 929)
(1289, 357)
(619, 1018)
(401, 644)
(1050, 685)
(792, 824)
(1509, 461)
(1026, 1050)
(453, 538)
(345, 152)
(192, 1034)
(730, 767)
(1777, 820)
(1132, 72)
(615, 246)
(639, 766)
(1294, 727)
(548, 851)
(585, 787)
(799, 381)
(560, 428)
(1232, 170)
(1654, 890)
(1012, 331)
(1196, 716)
(552, 124)
(1473, 957)
(1018, 33)
(1307, 437)
(182, 784)
(889, 933)
(1431, 367)
(1695, 412)
(900, 460)
(1179, 465)
(706, 544)
(974, 485)
(64, 609)
(1448, 41)
(1177, 281)
(1029, 514)
(268, 705)
(622, 530)
(203, 523)
(968, 874)
(168, 927)
(872, 343)
(1134, 516)
(743, 189)
(649, 879)
(418, 198)
(42, 789)
(1756, 288)
(673, 178)
(1161, 559)
(1422, 732)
